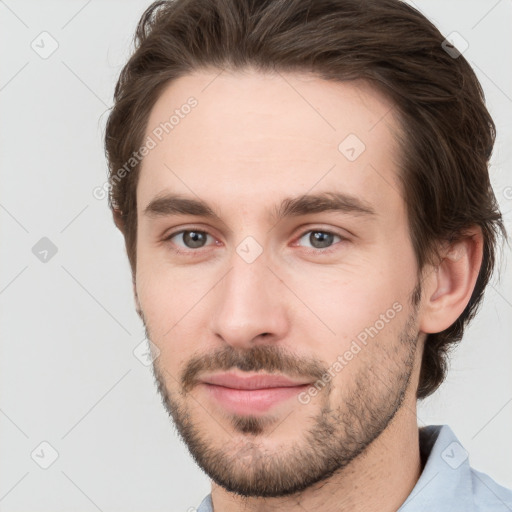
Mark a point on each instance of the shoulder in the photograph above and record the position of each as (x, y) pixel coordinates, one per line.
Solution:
(488, 495)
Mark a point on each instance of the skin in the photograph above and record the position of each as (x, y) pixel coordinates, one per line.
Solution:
(252, 140)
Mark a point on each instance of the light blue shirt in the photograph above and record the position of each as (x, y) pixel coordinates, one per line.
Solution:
(447, 483)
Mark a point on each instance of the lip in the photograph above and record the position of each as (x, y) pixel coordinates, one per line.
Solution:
(252, 394)
(257, 381)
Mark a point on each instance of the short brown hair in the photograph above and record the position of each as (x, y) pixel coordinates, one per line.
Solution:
(447, 131)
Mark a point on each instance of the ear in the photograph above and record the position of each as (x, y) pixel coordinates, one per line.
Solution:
(118, 219)
(450, 284)
(137, 303)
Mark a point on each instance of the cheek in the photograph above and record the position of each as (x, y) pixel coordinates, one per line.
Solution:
(171, 304)
(164, 292)
(346, 300)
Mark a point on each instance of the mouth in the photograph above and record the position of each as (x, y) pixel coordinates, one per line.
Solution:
(251, 394)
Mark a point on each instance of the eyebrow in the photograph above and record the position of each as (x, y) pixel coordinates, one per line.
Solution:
(175, 204)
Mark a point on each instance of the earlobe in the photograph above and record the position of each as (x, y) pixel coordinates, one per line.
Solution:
(118, 219)
(451, 284)
(448, 273)
(136, 297)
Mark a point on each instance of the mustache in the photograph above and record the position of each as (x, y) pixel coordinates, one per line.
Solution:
(270, 358)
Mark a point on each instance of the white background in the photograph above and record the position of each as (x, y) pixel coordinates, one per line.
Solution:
(68, 375)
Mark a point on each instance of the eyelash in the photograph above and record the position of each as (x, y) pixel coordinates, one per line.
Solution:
(197, 252)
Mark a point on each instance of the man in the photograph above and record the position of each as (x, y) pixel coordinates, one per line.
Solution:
(304, 195)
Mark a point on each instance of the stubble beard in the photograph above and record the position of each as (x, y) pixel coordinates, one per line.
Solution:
(332, 439)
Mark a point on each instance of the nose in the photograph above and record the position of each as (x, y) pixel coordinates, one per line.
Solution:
(249, 305)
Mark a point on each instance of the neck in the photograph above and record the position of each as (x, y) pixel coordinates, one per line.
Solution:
(381, 478)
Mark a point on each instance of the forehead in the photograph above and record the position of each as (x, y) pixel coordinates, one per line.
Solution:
(216, 132)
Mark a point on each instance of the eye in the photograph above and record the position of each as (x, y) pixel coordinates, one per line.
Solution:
(320, 239)
(190, 239)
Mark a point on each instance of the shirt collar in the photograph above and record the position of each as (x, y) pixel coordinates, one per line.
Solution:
(445, 482)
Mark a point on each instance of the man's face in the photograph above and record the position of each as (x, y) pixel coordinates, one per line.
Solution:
(315, 295)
